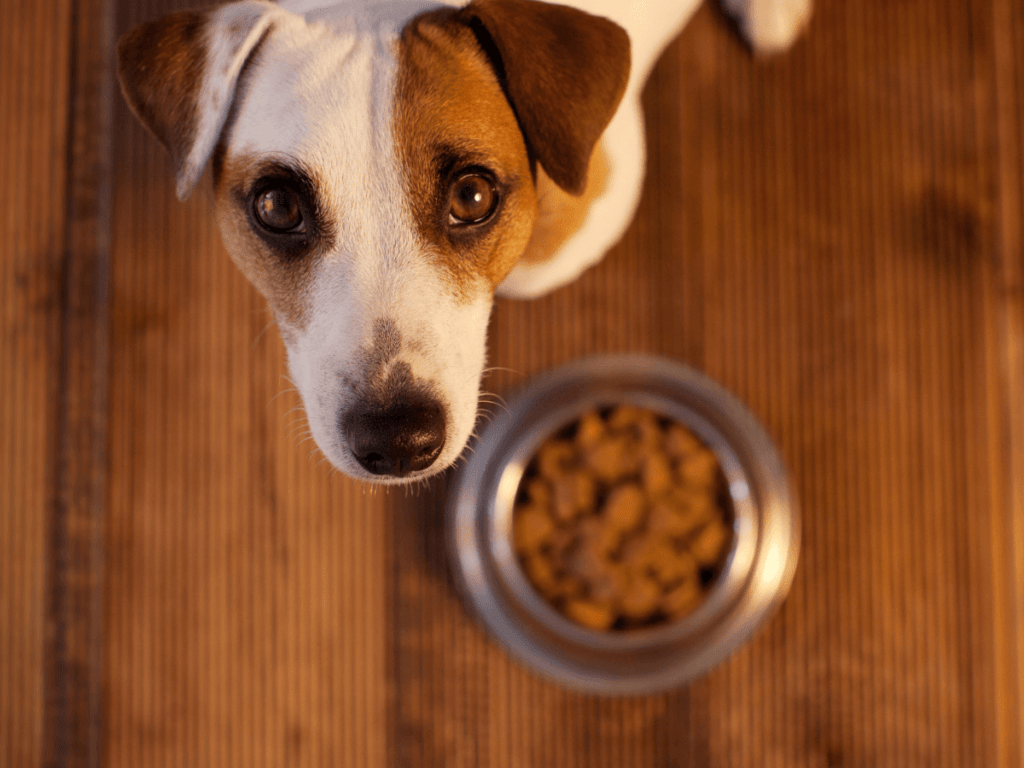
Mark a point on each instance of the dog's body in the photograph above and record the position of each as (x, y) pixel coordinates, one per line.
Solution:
(382, 169)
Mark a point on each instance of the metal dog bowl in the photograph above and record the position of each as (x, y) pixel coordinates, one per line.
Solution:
(754, 579)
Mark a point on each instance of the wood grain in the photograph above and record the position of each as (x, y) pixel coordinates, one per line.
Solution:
(834, 234)
(74, 692)
(34, 97)
(1008, 311)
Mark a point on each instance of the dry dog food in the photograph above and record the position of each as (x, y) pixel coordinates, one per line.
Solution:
(621, 520)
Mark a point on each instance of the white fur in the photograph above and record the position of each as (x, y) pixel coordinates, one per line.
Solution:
(321, 93)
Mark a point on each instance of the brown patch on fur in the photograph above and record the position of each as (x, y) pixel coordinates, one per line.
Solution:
(560, 215)
(283, 278)
(160, 67)
(565, 72)
(450, 115)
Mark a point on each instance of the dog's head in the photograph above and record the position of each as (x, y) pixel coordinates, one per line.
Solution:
(373, 171)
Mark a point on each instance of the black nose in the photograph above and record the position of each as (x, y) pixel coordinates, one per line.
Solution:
(396, 439)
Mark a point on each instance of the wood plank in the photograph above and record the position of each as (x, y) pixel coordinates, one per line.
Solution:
(75, 684)
(1008, 50)
(33, 131)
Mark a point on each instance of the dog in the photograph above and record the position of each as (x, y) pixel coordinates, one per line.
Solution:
(381, 170)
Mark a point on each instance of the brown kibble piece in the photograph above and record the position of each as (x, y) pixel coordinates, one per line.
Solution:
(554, 458)
(696, 508)
(638, 552)
(609, 585)
(682, 599)
(624, 417)
(641, 599)
(590, 614)
(531, 528)
(680, 441)
(625, 507)
(699, 469)
(610, 461)
(542, 574)
(648, 433)
(657, 474)
(587, 559)
(670, 566)
(568, 587)
(561, 540)
(667, 521)
(573, 495)
(639, 426)
(591, 430)
(539, 492)
(708, 545)
(598, 536)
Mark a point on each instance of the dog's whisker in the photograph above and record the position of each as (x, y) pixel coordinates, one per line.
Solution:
(484, 416)
(496, 368)
(498, 400)
(301, 429)
(261, 333)
(283, 391)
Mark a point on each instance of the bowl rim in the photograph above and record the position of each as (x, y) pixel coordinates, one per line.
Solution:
(754, 580)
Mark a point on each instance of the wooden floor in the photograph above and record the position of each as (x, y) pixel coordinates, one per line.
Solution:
(835, 235)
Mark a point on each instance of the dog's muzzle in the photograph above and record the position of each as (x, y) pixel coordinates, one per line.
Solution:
(396, 438)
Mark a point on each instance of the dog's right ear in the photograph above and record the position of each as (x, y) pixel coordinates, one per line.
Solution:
(178, 75)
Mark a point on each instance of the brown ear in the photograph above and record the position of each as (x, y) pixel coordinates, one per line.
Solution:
(564, 72)
(178, 75)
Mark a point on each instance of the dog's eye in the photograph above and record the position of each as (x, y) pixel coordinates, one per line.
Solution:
(472, 199)
(278, 210)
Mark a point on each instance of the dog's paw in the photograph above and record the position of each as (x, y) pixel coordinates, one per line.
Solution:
(770, 25)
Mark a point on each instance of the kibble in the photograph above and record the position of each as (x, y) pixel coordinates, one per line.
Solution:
(621, 520)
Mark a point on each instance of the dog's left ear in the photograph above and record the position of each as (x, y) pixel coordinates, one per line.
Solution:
(564, 71)
(178, 74)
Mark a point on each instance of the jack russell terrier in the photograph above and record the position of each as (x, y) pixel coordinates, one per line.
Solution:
(382, 168)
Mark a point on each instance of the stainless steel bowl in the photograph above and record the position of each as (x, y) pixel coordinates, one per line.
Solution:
(754, 579)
